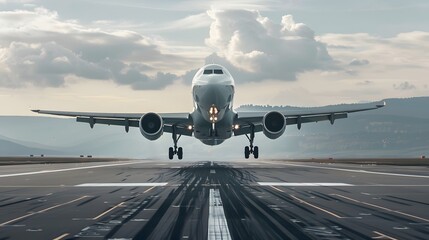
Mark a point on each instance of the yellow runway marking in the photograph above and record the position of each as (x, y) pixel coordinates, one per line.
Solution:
(41, 211)
(316, 207)
(278, 189)
(383, 208)
(107, 211)
(149, 189)
(382, 236)
(61, 236)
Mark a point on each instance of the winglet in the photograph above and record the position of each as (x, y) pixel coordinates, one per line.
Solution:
(35, 110)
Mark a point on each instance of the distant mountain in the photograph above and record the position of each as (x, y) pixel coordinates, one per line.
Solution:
(401, 129)
(8, 148)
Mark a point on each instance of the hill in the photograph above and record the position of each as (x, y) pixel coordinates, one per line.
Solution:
(401, 129)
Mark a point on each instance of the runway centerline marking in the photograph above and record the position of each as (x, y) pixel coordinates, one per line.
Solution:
(300, 184)
(66, 169)
(381, 207)
(218, 226)
(122, 184)
(351, 170)
(42, 211)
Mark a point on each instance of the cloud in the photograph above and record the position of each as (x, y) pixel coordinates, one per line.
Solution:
(262, 49)
(39, 49)
(359, 62)
(404, 86)
(200, 20)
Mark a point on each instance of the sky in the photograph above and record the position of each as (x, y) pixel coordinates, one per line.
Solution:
(140, 56)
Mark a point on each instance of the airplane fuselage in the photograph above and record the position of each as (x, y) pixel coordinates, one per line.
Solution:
(213, 94)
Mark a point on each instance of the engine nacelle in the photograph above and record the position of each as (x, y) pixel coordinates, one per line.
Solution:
(151, 126)
(274, 124)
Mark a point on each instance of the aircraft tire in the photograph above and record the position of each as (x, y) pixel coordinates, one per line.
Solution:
(256, 152)
(180, 153)
(246, 152)
(170, 153)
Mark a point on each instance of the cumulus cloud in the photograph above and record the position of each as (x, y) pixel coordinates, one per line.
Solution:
(39, 49)
(261, 49)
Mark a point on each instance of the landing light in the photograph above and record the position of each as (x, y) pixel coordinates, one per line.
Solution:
(213, 112)
(236, 126)
(190, 127)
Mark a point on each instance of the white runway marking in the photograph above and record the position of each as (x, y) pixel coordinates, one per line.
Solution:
(122, 184)
(351, 170)
(218, 227)
(66, 169)
(291, 184)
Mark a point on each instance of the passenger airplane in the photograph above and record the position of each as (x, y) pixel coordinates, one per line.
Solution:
(213, 119)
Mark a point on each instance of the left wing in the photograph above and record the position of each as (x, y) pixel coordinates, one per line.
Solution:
(180, 121)
(253, 120)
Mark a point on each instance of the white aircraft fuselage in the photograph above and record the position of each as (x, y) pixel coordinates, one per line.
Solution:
(213, 95)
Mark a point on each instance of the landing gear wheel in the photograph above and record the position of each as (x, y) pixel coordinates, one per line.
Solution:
(170, 153)
(175, 150)
(256, 152)
(180, 153)
(251, 149)
(246, 152)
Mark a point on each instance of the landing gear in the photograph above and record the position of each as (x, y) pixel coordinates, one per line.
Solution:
(175, 150)
(251, 149)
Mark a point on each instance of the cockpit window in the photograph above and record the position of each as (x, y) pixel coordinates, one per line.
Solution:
(208, 71)
(218, 71)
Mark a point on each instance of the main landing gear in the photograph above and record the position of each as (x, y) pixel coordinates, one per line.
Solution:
(251, 149)
(175, 150)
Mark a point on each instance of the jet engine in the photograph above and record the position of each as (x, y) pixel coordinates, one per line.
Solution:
(151, 126)
(274, 124)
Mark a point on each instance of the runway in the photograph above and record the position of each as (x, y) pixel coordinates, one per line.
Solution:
(242, 199)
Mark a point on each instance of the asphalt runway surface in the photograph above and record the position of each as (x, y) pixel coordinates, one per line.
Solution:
(243, 199)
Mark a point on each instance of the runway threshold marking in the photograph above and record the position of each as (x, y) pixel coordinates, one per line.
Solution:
(42, 211)
(351, 170)
(381, 207)
(61, 236)
(108, 210)
(383, 236)
(218, 226)
(316, 207)
(66, 169)
(292, 184)
(122, 184)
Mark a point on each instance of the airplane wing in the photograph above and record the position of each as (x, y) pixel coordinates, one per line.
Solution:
(248, 120)
(180, 121)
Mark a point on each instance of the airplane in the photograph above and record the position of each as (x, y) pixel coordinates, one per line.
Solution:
(213, 119)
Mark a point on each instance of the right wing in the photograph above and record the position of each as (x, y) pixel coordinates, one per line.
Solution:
(253, 120)
(180, 121)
